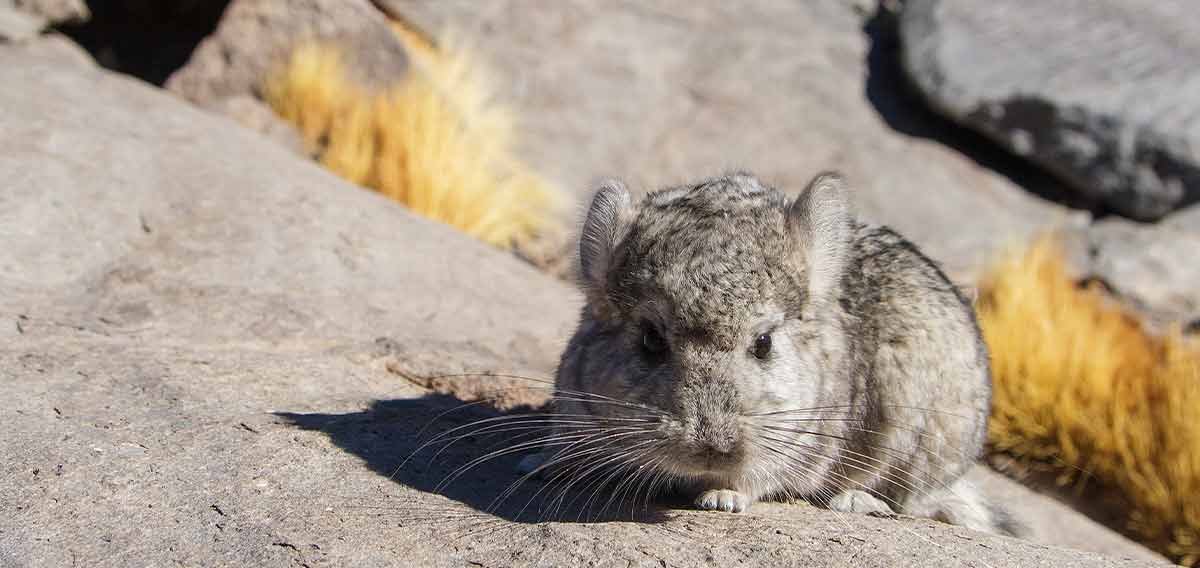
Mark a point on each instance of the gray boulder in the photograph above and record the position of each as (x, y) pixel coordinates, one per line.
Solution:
(1102, 93)
(214, 353)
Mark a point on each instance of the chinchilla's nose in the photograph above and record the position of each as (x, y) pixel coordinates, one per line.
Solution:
(718, 434)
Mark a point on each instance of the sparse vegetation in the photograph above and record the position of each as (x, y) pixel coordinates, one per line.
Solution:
(1082, 386)
(436, 142)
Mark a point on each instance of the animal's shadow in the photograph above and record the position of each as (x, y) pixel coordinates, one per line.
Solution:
(392, 438)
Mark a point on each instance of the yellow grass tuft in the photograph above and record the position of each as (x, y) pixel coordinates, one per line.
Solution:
(1082, 385)
(436, 141)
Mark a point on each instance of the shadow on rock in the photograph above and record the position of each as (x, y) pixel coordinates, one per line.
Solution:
(414, 442)
(905, 111)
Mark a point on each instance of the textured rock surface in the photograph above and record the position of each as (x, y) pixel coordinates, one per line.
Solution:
(665, 91)
(53, 46)
(1049, 521)
(1104, 93)
(197, 335)
(1153, 267)
(53, 11)
(258, 116)
(16, 25)
(255, 36)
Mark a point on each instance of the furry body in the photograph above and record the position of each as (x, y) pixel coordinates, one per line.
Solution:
(771, 347)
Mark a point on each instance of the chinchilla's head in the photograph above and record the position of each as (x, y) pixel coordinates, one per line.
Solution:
(716, 305)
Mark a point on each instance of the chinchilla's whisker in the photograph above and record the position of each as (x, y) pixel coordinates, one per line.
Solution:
(514, 448)
(928, 482)
(634, 470)
(799, 410)
(561, 461)
(574, 452)
(912, 430)
(602, 481)
(890, 452)
(894, 452)
(594, 473)
(937, 440)
(599, 397)
(657, 475)
(849, 407)
(543, 417)
(859, 428)
(855, 457)
(812, 420)
(794, 465)
(862, 486)
(641, 472)
(557, 438)
(573, 469)
(536, 425)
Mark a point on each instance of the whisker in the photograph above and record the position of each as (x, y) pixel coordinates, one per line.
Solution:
(571, 452)
(506, 451)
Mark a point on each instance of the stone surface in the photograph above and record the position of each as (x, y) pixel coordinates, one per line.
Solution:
(215, 353)
(254, 37)
(1103, 93)
(16, 25)
(1153, 267)
(663, 92)
(53, 46)
(1046, 520)
(54, 11)
(258, 116)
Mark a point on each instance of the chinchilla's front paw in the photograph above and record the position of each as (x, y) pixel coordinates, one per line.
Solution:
(726, 500)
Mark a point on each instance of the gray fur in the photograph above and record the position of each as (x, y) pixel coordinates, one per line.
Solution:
(862, 326)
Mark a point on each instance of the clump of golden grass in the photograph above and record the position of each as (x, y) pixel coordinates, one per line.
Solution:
(436, 141)
(1082, 385)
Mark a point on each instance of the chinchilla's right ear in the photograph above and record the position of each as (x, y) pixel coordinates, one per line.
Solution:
(819, 219)
(607, 219)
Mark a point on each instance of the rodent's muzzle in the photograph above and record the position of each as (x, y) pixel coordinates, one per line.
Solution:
(716, 442)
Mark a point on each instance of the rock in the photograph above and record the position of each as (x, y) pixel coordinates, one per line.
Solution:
(54, 11)
(16, 26)
(254, 37)
(1152, 267)
(1101, 93)
(666, 92)
(252, 246)
(197, 330)
(52, 45)
(257, 116)
(1049, 521)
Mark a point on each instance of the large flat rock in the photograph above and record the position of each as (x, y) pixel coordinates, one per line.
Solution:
(211, 354)
(1103, 93)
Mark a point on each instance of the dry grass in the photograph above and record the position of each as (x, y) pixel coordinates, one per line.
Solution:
(1081, 385)
(436, 142)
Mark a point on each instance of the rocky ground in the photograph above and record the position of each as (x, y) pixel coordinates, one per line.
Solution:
(214, 352)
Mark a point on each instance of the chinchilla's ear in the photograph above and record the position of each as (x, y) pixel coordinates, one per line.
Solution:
(607, 218)
(819, 220)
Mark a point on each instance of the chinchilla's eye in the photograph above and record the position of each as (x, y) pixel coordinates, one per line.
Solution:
(652, 342)
(762, 346)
